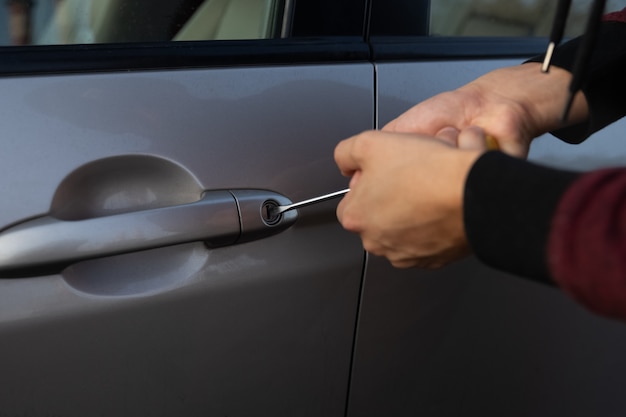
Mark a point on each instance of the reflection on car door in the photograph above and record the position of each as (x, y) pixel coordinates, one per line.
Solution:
(261, 327)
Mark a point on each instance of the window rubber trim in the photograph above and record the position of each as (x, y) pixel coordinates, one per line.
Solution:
(423, 48)
(60, 59)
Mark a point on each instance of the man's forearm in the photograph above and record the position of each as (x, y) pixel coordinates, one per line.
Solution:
(508, 208)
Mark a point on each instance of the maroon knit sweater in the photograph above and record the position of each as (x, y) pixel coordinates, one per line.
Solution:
(555, 226)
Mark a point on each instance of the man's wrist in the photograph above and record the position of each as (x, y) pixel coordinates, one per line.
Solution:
(548, 95)
(604, 87)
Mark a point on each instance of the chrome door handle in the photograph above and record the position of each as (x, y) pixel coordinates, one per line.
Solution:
(219, 218)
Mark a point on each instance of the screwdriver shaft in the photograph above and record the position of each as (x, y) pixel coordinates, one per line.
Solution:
(282, 209)
(492, 144)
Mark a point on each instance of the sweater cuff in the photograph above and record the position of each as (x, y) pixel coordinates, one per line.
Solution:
(508, 209)
(605, 86)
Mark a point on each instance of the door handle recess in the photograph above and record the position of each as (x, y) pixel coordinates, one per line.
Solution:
(47, 244)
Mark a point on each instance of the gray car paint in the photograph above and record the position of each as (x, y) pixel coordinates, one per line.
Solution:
(261, 327)
(468, 340)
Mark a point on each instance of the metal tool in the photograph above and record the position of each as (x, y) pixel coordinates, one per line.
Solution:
(281, 209)
(558, 28)
(492, 144)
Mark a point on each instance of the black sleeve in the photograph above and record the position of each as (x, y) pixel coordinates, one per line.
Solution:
(508, 207)
(605, 88)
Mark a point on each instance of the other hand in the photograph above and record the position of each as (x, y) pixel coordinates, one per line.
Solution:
(513, 104)
(406, 195)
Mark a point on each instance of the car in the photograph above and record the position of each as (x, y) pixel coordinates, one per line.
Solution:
(142, 274)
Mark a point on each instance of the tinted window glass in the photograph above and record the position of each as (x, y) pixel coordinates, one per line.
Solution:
(329, 18)
(472, 18)
(53, 22)
(506, 17)
(399, 18)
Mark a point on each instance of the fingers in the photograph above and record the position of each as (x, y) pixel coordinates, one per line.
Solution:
(391, 126)
(405, 195)
(472, 138)
(517, 148)
(449, 135)
(345, 157)
(475, 138)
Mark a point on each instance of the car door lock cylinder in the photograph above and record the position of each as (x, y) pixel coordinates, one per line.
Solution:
(270, 214)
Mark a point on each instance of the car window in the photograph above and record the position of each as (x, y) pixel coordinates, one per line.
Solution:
(517, 18)
(477, 18)
(58, 36)
(62, 22)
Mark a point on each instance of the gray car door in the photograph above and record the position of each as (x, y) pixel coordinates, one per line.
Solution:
(468, 340)
(137, 274)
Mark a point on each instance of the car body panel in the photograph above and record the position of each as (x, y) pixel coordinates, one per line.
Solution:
(187, 329)
(470, 340)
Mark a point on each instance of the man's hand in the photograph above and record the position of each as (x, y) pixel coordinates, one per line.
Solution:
(514, 105)
(406, 195)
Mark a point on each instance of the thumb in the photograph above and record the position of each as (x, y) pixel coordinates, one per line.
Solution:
(473, 138)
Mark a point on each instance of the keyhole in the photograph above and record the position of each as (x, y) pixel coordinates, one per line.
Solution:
(269, 213)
